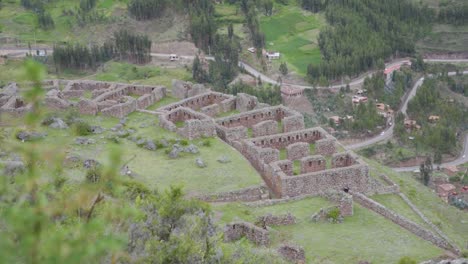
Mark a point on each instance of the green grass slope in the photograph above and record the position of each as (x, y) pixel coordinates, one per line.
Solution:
(293, 32)
(364, 236)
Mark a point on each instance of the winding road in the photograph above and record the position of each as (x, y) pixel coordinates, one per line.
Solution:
(385, 135)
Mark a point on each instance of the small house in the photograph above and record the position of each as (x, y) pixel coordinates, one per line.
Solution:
(273, 55)
(288, 91)
(359, 99)
(444, 190)
(451, 170)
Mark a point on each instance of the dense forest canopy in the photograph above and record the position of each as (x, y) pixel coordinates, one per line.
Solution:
(364, 32)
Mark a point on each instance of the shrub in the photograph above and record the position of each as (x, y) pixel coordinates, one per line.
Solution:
(72, 116)
(406, 260)
(334, 214)
(93, 175)
(455, 178)
(184, 142)
(206, 143)
(83, 129)
(134, 189)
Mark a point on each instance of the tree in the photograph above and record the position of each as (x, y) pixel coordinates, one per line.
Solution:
(437, 157)
(44, 222)
(283, 68)
(426, 171)
(198, 73)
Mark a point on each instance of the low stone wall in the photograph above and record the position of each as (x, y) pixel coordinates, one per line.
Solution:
(402, 221)
(281, 141)
(298, 150)
(293, 123)
(340, 160)
(200, 101)
(196, 124)
(265, 128)
(427, 221)
(292, 253)
(277, 220)
(237, 230)
(313, 164)
(249, 194)
(326, 146)
(121, 110)
(355, 177)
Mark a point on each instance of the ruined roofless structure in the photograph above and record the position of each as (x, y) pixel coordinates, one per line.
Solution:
(312, 164)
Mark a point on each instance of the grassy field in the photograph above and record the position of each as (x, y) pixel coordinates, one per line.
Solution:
(154, 168)
(129, 73)
(293, 32)
(364, 236)
(111, 72)
(19, 23)
(444, 38)
(453, 222)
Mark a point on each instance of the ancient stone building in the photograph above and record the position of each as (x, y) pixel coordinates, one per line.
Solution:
(188, 123)
(237, 230)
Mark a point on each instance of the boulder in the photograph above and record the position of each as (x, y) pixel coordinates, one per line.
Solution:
(97, 129)
(84, 141)
(91, 163)
(224, 159)
(29, 136)
(191, 149)
(150, 145)
(58, 124)
(13, 167)
(200, 163)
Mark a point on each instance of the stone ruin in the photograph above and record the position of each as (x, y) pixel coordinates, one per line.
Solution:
(194, 124)
(261, 133)
(210, 103)
(182, 90)
(237, 230)
(276, 220)
(12, 102)
(90, 97)
(114, 99)
(292, 253)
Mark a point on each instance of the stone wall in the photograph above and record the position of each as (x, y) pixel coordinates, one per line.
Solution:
(265, 128)
(326, 146)
(196, 124)
(298, 150)
(313, 164)
(294, 120)
(122, 109)
(237, 230)
(292, 253)
(281, 141)
(346, 205)
(277, 220)
(340, 160)
(293, 123)
(246, 102)
(87, 107)
(249, 194)
(182, 90)
(355, 177)
(202, 100)
(231, 134)
(402, 221)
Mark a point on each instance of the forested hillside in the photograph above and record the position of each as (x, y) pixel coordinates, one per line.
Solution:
(365, 32)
